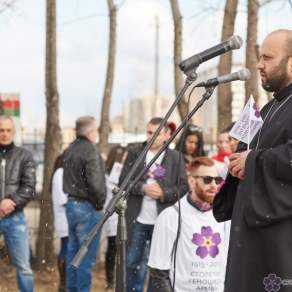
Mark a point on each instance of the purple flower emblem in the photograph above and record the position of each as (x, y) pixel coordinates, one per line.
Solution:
(158, 173)
(256, 113)
(272, 283)
(207, 241)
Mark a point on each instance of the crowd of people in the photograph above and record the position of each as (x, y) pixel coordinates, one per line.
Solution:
(168, 179)
(194, 222)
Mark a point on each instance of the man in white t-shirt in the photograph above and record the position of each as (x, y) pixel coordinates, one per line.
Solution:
(203, 243)
(157, 190)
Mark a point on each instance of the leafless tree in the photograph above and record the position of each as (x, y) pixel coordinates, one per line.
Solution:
(177, 56)
(105, 122)
(6, 4)
(225, 64)
(44, 245)
(252, 50)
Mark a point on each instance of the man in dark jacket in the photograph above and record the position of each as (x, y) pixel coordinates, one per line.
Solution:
(84, 183)
(17, 189)
(157, 190)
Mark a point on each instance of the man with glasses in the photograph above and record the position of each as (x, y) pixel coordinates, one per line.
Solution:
(202, 244)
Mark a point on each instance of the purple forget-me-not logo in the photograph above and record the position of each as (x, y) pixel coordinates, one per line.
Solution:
(207, 241)
(272, 283)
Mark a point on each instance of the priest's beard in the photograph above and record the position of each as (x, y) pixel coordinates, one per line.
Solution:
(278, 78)
(202, 194)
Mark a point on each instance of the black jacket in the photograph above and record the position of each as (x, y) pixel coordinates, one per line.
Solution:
(169, 183)
(19, 176)
(84, 172)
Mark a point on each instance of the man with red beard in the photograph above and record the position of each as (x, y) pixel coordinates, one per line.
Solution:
(256, 195)
(202, 244)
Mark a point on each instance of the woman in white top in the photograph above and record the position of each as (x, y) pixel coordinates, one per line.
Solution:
(61, 224)
(114, 165)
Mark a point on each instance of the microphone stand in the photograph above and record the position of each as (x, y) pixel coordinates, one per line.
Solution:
(118, 202)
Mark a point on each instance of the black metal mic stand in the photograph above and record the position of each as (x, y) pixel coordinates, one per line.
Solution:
(117, 203)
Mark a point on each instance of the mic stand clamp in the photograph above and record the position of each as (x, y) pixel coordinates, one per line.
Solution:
(121, 240)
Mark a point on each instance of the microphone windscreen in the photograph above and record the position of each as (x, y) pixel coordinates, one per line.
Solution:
(244, 74)
(235, 42)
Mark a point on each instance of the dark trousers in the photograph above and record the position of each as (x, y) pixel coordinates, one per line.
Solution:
(110, 259)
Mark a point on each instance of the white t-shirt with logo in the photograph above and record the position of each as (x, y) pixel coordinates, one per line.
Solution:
(202, 248)
(59, 203)
(148, 213)
(111, 182)
(110, 225)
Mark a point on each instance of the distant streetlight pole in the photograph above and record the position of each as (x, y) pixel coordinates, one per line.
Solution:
(156, 65)
(35, 140)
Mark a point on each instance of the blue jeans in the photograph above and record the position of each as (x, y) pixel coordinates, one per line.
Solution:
(14, 229)
(134, 255)
(82, 217)
(142, 272)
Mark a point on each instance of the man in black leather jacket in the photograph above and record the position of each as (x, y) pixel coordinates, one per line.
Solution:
(84, 182)
(17, 189)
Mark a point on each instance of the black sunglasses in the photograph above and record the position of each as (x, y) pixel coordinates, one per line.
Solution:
(208, 179)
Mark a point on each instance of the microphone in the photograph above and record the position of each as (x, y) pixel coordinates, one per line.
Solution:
(242, 75)
(234, 42)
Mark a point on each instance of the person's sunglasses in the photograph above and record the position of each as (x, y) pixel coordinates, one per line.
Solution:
(208, 179)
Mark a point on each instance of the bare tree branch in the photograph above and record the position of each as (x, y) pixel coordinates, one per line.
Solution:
(4, 5)
(264, 2)
(207, 10)
(224, 107)
(177, 56)
(104, 128)
(119, 6)
(82, 18)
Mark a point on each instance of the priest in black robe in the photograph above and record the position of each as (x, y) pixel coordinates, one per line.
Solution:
(257, 194)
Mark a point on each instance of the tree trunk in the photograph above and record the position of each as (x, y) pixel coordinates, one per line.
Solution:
(251, 85)
(224, 97)
(105, 122)
(178, 75)
(1, 106)
(44, 245)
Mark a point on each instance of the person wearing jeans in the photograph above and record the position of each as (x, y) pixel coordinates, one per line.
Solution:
(136, 263)
(17, 182)
(82, 217)
(142, 271)
(14, 229)
(84, 182)
(157, 190)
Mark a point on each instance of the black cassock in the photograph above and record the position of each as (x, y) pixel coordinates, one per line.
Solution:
(260, 206)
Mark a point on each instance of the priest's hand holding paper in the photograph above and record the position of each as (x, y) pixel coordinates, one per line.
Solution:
(244, 130)
(237, 164)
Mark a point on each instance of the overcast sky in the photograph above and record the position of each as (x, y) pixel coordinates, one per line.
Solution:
(82, 48)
